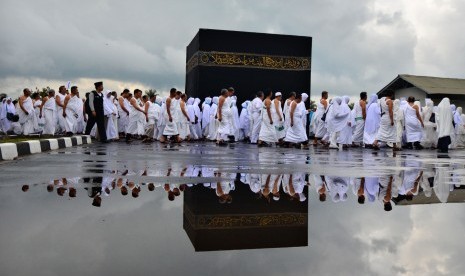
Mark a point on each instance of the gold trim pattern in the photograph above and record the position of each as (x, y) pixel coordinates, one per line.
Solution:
(241, 221)
(246, 60)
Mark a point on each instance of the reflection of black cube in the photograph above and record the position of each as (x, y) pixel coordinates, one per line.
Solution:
(249, 62)
(246, 223)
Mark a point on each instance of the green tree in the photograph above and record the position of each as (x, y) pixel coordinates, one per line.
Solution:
(151, 92)
(43, 92)
(351, 106)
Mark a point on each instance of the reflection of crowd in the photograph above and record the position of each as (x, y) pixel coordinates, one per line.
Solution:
(404, 185)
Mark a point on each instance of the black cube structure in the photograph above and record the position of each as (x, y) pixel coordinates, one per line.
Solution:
(246, 223)
(247, 61)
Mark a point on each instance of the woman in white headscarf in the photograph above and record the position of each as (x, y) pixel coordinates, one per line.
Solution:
(444, 125)
(213, 125)
(206, 115)
(413, 124)
(198, 122)
(429, 138)
(191, 114)
(345, 137)
(460, 130)
(336, 119)
(7, 107)
(244, 122)
(235, 118)
(372, 121)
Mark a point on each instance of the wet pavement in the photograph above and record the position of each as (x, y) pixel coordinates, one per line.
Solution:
(200, 209)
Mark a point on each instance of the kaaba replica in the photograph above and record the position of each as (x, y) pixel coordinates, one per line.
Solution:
(249, 62)
(247, 222)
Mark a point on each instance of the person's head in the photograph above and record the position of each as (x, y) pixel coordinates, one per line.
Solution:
(268, 93)
(322, 197)
(114, 94)
(49, 188)
(62, 90)
(278, 95)
(151, 187)
(98, 86)
(145, 98)
(171, 196)
(137, 93)
(387, 206)
(135, 192)
(97, 202)
(129, 96)
(61, 191)
(125, 93)
(51, 93)
(231, 91)
(298, 98)
(25, 188)
(178, 95)
(26, 92)
(324, 95)
(74, 90)
(292, 95)
(411, 99)
(72, 192)
(124, 190)
(389, 93)
(224, 92)
(153, 98)
(260, 95)
(173, 92)
(361, 199)
(363, 96)
(183, 97)
(35, 96)
(176, 191)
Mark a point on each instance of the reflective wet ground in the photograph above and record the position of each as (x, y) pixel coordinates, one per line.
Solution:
(199, 209)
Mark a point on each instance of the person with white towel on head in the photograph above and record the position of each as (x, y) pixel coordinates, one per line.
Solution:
(429, 137)
(345, 138)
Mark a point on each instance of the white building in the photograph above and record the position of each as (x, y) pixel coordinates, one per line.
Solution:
(422, 87)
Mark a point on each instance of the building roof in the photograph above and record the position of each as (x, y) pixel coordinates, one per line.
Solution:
(430, 85)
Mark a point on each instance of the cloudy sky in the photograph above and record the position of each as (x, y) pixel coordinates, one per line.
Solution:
(357, 45)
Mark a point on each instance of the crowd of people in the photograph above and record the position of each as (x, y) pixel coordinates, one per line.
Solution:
(266, 120)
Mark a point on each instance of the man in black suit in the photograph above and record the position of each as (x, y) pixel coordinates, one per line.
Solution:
(94, 110)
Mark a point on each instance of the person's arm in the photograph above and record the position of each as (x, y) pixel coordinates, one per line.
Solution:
(363, 105)
(21, 100)
(391, 113)
(147, 105)
(123, 107)
(220, 106)
(417, 111)
(136, 106)
(183, 110)
(57, 100)
(293, 106)
(168, 107)
(44, 100)
(278, 110)
(91, 104)
(268, 110)
(65, 104)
